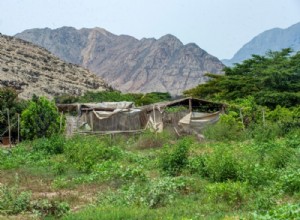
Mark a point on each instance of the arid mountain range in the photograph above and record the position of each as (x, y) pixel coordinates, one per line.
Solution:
(274, 39)
(128, 64)
(34, 70)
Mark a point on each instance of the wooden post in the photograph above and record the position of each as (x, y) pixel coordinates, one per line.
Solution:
(242, 118)
(190, 105)
(60, 122)
(18, 128)
(263, 114)
(9, 131)
(91, 119)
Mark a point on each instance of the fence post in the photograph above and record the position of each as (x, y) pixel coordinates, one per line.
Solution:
(92, 120)
(242, 118)
(18, 128)
(263, 114)
(60, 122)
(9, 131)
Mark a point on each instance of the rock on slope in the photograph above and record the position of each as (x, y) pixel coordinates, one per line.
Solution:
(33, 70)
(128, 64)
(274, 39)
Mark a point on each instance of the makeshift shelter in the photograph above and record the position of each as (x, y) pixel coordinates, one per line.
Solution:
(187, 115)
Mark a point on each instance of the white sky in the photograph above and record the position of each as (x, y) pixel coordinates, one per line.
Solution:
(220, 27)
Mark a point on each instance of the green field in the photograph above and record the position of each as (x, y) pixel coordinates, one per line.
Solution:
(254, 174)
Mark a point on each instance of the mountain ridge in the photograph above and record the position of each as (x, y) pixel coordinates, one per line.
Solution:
(273, 39)
(128, 64)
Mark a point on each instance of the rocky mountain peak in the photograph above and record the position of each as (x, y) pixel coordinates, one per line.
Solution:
(128, 64)
(274, 39)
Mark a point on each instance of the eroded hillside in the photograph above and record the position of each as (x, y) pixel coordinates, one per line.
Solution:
(33, 70)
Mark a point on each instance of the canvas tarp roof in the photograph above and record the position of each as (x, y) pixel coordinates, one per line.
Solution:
(109, 105)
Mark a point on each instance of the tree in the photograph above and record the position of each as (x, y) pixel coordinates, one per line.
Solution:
(273, 79)
(9, 100)
(41, 119)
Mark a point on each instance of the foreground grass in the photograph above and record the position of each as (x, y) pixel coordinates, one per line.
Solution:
(151, 176)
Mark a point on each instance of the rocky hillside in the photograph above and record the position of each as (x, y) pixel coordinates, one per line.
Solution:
(274, 39)
(128, 64)
(33, 70)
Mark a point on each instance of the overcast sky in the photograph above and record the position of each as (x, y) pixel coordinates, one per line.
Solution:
(220, 27)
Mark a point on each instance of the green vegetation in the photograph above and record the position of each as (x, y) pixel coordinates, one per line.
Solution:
(172, 178)
(247, 167)
(115, 96)
(272, 80)
(41, 119)
(9, 101)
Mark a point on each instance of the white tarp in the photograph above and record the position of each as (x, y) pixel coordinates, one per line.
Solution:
(199, 119)
(111, 105)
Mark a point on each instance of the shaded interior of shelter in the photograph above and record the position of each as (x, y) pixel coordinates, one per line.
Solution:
(187, 115)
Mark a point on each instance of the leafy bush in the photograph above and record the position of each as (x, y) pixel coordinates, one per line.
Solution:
(175, 158)
(274, 155)
(293, 139)
(45, 207)
(284, 212)
(264, 133)
(228, 128)
(13, 201)
(85, 152)
(52, 145)
(41, 119)
(197, 165)
(289, 181)
(233, 193)
(222, 165)
(153, 194)
(9, 100)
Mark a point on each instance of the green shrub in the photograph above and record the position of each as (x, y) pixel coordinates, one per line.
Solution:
(263, 200)
(284, 212)
(175, 158)
(264, 133)
(292, 139)
(197, 165)
(45, 207)
(256, 174)
(228, 128)
(52, 145)
(153, 194)
(222, 165)
(13, 201)
(85, 152)
(232, 193)
(9, 100)
(289, 181)
(41, 119)
(274, 154)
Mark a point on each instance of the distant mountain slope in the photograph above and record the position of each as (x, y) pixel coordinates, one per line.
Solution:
(128, 64)
(33, 70)
(274, 39)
